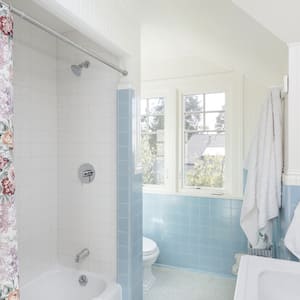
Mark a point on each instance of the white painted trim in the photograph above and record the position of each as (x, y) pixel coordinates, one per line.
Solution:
(153, 93)
(291, 179)
(295, 44)
(191, 193)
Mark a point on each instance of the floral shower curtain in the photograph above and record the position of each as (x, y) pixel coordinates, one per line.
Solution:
(8, 242)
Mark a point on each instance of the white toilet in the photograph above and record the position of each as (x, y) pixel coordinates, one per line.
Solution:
(150, 255)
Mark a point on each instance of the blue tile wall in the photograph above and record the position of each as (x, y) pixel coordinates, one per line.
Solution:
(129, 202)
(196, 233)
(290, 199)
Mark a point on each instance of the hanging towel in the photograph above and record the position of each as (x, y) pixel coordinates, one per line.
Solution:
(292, 237)
(262, 196)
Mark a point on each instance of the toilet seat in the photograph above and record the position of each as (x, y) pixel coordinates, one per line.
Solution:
(149, 247)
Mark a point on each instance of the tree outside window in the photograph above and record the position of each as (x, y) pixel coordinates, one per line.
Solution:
(152, 142)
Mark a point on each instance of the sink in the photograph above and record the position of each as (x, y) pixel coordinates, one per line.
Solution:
(278, 285)
(267, 279)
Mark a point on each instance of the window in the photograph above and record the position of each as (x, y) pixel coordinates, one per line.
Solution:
(152, 140)
(204, 140)
(192, 135)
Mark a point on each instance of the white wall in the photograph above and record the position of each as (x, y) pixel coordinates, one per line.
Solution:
(87, 118)
(280, 17)
(35, 148)
(113, 24)
(62, 121)
(181, 40)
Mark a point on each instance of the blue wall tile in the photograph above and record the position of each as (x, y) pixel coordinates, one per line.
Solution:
(196, 233)
(290, 199)
(129, 202)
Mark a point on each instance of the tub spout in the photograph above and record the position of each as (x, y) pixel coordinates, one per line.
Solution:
(81, 255)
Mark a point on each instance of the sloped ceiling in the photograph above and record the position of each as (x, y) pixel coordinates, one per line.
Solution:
(213, 31)
(282, 18)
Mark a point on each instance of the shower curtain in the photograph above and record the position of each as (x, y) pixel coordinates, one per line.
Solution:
(9, 289)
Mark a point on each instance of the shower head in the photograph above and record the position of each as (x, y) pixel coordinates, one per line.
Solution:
(77, 69)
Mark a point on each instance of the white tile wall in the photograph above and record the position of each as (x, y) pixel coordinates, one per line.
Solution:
(87, 213)
(62, 121)
(35, 148)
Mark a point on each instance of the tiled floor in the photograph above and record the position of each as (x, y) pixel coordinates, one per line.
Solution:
(178, 284)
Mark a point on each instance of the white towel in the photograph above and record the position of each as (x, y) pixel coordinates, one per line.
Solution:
(262, 197)
(292, 237)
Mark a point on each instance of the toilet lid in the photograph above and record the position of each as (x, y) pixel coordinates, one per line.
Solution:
(149, 246)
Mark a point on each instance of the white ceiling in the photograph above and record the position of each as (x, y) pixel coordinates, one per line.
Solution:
(281, 17)
(31, 8)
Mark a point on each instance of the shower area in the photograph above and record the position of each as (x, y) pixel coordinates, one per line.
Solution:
(65, 161)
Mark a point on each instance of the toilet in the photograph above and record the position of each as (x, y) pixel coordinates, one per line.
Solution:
(150, 255)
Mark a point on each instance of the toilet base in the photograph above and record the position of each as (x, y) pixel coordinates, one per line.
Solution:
(149, 278)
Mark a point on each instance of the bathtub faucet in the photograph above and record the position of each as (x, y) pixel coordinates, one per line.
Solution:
(81, 255)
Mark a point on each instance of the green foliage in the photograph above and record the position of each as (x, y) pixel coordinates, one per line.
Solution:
(207, 171)
(148, 159)
(193, 121)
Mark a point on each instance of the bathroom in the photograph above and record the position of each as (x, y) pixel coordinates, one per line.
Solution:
(129, 134)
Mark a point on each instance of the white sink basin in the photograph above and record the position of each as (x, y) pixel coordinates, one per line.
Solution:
(267, 279)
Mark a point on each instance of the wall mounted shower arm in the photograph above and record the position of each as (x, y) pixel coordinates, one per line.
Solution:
(82, 255)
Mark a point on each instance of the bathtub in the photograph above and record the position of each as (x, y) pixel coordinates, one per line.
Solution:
(63, 284)
(267, 279)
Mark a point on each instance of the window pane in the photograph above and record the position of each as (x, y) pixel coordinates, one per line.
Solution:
(194, 122)
(153, 159)
(214, 121)
(156, 123)
(144, 124)
(193, 103)
(156, 105)
(204, 158)
(144, 106)
(152, 123)
(215, 102)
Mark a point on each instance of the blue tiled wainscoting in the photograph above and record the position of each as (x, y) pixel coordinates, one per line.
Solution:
(129, 201)
(193, 232)
(290, 199)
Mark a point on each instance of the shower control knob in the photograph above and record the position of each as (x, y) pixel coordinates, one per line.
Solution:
(86, 173)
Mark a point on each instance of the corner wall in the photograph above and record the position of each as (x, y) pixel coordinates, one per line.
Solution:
(129, 199)
(86, 134)
(291, 178)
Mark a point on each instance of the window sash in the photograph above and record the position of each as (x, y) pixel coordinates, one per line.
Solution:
(205, 131)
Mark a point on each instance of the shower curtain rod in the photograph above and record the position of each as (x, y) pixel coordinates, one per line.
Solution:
(62, 38)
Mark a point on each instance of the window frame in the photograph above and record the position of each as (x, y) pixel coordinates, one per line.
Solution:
(180, 147)
(155, 93)
(173, 90)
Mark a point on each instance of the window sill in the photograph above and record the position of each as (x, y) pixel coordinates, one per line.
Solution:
(193, 193)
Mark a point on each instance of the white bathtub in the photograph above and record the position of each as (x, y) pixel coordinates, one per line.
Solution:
(62, 284)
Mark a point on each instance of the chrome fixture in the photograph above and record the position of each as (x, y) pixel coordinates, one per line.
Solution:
(82, 255)
(86, 173)
(61, 37)
(83, 280)
(77, 69)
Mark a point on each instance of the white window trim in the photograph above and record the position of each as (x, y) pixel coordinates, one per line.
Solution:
(153, 93)
(173, 89)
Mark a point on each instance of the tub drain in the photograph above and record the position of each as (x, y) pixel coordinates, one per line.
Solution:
(83, 280)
